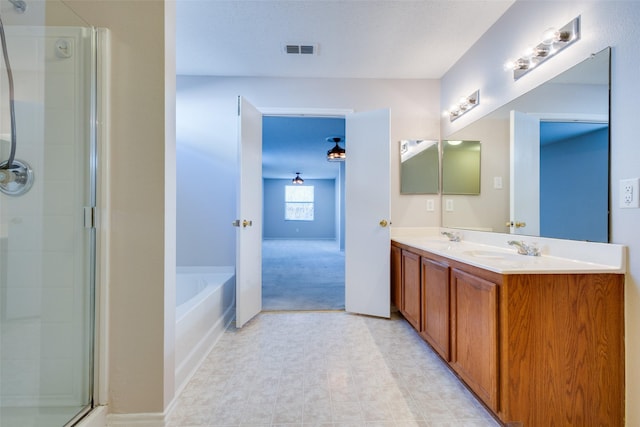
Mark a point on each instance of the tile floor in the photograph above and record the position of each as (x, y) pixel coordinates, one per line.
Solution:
(330, 369)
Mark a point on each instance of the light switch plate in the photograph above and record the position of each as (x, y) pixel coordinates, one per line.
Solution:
(497, 182)
(629, 193)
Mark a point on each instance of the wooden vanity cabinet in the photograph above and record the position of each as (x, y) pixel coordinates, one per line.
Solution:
(435, 305)
(537, 349)
(562, 350)
(411, 295)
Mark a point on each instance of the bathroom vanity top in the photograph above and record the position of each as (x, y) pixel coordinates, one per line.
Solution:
(496, 255)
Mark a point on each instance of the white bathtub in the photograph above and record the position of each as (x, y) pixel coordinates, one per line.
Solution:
(205, 298)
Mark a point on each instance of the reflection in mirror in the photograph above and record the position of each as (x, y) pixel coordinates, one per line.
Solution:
(460, 167)
(545, 160)
(419, 166)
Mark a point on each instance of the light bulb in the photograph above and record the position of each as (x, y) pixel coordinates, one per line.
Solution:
(542, 50)
(528, 52)
(549, 36)
(509, 65)
(523, 64)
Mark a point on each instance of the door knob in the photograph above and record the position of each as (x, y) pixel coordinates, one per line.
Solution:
(383, 223)
(246, 223)
(516, 224)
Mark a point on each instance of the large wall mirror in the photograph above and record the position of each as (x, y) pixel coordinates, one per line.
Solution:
(419, 166)
(545, 162)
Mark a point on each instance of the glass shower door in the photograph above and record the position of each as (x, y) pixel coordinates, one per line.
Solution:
(46, 231)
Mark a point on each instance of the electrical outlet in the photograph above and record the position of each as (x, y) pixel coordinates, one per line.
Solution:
(448, 205)
(629, 193)
(430, 205)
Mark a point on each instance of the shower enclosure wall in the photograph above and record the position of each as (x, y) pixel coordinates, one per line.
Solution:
(47, 235)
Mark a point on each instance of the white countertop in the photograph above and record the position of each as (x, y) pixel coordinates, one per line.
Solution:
(490, 251)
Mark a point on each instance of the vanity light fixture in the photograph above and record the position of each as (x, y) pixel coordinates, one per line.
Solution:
(553, 41)
(337, 153)
(297, 179)
(463, 106)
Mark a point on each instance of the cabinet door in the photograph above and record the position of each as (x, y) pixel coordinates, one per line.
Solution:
(411, 300)
(396, 277)
(474, 346)
(435, 305)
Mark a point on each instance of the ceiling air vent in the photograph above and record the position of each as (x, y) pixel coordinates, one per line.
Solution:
(300, 49)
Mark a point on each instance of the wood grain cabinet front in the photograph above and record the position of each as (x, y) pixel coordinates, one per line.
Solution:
(474, 334)
(396, 277)
(411, 300)
(537, 349)
(435, 306)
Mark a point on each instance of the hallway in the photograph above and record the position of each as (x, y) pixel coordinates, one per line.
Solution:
(325, 369)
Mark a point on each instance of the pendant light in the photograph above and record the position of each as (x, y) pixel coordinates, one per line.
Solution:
(297, 179)
(337, 153)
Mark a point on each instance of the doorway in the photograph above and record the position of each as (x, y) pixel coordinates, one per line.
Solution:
(303, 264)
(366, 231)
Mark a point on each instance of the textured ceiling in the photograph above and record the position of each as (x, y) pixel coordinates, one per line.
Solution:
(298, 144)
(355, 38)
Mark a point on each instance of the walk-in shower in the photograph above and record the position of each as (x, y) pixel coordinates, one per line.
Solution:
(16, 176)
(47, 185)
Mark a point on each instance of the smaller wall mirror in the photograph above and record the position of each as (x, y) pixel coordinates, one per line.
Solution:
(461, 167)
(419, 166)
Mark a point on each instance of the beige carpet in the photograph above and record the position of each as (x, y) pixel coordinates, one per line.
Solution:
(302, 275)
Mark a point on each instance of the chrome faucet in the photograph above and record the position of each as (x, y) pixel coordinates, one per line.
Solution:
(452, 235)
(524, 249)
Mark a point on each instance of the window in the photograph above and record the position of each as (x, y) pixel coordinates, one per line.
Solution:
(298, 202)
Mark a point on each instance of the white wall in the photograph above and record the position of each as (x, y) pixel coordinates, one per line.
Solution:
(207, 125)
(606, 23)
(489, 210)
(139, 155)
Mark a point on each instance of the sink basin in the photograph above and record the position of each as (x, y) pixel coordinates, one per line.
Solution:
(439, 245)
(488, 254)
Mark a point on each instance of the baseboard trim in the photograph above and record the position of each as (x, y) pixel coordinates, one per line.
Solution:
(136, 420)
(96, 418)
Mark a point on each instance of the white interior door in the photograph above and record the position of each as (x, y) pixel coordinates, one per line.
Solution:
(367, 235)
(249, 214)
(525, 174)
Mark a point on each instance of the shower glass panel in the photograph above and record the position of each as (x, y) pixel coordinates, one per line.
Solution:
(47, 239)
